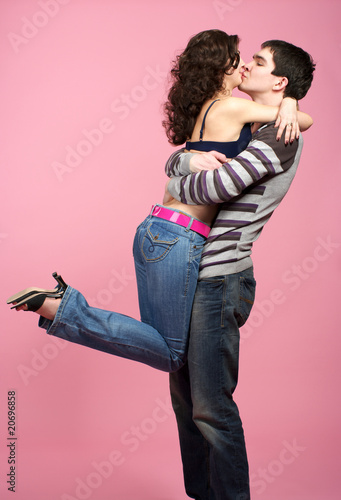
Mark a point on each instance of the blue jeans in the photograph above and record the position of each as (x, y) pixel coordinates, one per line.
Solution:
(167, 258)
(210, 430)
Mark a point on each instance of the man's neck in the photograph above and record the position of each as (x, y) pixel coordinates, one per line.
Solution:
(269, 99)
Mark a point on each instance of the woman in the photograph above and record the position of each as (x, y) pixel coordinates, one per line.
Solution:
(168, 244)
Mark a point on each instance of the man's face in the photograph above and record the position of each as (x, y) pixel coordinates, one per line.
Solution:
(257, 78)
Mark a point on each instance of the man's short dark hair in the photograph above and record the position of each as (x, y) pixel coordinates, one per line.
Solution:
(293, 63)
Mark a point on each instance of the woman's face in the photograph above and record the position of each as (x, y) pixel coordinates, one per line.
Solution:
(234, 78)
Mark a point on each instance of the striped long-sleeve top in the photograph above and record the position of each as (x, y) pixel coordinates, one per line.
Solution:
(249, 188)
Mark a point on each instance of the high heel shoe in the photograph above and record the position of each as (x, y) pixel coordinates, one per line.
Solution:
(34, 297)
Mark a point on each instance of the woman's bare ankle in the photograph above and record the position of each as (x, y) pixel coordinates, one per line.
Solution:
(49, 309)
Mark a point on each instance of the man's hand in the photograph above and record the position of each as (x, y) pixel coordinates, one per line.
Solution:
(206, 161)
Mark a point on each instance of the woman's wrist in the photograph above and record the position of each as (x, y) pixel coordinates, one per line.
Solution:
(293, 99)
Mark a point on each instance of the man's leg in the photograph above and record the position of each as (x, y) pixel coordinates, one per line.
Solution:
(194, 448)
(221, 306)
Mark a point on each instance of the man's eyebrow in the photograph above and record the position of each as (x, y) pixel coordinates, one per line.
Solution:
(260, 58)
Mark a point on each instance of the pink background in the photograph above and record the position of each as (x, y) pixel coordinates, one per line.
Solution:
(93, 426)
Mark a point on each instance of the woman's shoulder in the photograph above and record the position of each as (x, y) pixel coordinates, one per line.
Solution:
(233, 103)
(228, 108)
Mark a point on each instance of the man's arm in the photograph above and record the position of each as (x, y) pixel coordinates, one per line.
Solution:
(264, 156)
(178, 163)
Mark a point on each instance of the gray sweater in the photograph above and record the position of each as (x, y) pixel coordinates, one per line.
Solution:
(249, 188)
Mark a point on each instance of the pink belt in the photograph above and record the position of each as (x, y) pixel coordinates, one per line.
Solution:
(181, 219)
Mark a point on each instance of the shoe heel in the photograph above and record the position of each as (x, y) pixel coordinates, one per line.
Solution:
(60, 280)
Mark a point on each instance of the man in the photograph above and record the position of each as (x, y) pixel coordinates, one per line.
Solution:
(248, 188)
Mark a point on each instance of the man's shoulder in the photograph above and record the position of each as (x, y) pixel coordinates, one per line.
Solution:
(265, 131)
(264, 139)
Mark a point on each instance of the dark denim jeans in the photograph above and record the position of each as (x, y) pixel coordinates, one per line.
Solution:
(210, 429)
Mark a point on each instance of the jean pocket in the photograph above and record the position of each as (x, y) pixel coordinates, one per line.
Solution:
(157, 243)
(196, 252)
(247, 287)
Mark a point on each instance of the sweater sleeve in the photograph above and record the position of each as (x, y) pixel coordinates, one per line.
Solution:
(264, 156)
(178, 164)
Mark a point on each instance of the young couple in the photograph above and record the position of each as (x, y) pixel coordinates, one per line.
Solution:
(192, 254)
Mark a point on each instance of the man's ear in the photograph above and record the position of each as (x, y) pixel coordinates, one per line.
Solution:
(281, 83)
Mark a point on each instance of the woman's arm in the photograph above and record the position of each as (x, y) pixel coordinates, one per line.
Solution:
(286, 116)
(299, 120)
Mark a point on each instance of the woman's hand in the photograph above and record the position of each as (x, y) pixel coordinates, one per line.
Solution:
(287, 119)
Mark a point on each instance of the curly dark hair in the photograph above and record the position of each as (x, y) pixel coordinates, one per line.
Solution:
(197, 75)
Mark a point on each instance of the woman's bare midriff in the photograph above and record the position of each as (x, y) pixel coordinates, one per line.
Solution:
(205, 213)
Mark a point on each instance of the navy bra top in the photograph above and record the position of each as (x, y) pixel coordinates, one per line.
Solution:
(230, 149)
